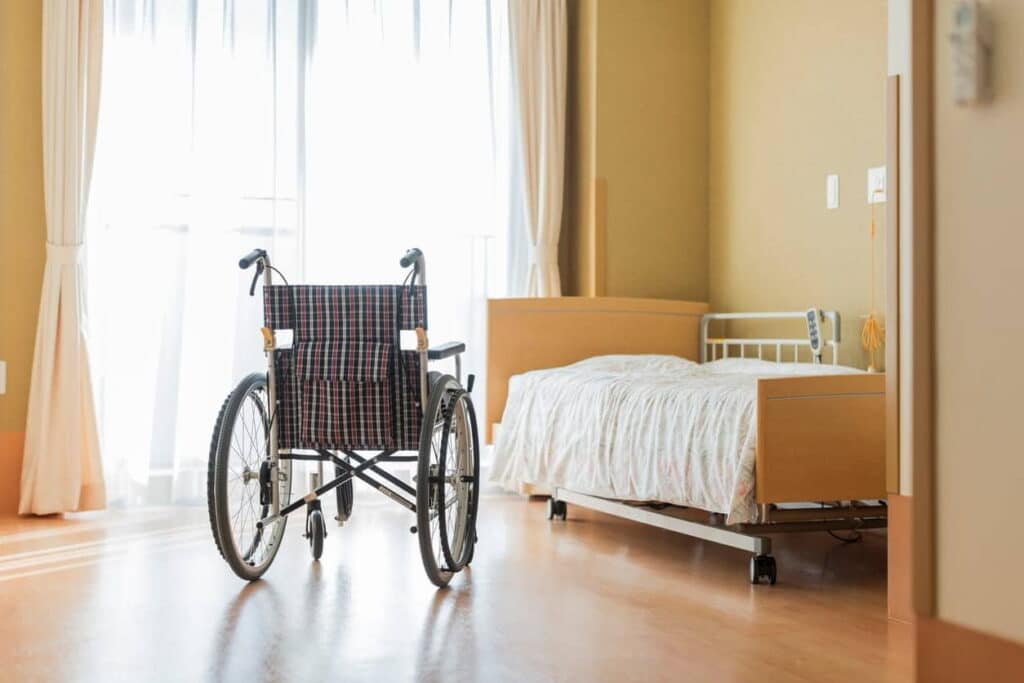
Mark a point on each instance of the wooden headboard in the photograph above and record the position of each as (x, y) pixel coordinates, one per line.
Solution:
(531, 334)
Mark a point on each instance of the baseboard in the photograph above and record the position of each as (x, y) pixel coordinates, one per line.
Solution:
(948, 653)
(12, 446)
(900, 571)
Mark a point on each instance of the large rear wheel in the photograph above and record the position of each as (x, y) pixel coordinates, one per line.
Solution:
(239, 480)
(345, 497)
(447, 481)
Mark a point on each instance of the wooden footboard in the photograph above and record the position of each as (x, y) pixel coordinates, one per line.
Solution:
(821, 438)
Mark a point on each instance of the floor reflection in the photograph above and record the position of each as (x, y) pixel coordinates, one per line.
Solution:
(248, 641)
(447, 648)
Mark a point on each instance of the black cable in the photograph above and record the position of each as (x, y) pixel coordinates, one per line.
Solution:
(279, 273)
(852, 538)
(855, 537)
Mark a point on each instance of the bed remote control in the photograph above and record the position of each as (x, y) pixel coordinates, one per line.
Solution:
(813, 317)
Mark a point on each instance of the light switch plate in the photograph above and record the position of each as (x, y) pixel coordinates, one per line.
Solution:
(876, 185)
(3, 377)
(832, 191)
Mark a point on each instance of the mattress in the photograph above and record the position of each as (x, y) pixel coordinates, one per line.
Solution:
(644, 428)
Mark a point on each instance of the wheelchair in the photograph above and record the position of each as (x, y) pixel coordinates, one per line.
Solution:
(344, 392)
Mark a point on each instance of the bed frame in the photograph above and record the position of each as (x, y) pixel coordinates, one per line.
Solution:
(820, 439)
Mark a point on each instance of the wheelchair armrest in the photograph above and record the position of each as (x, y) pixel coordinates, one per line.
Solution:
(446, 350)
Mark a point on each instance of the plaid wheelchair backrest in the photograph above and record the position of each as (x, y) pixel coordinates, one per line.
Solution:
(346, 383)
(345, 312)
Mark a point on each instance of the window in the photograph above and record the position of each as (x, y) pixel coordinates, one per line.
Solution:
(335, 135)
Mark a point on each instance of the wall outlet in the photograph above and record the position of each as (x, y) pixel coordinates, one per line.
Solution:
(832, 191)
(3, 377)
(876, 185)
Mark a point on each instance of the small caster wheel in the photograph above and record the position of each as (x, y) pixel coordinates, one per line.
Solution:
(556, 509)
(472, 550)
(762, 566)
(316, 531)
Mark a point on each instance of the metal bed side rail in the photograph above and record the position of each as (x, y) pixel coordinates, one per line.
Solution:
(709, 346)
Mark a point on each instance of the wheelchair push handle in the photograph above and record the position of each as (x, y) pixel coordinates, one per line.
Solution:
(251, 258)
(411, 257)
(414, 257)
(262, 261)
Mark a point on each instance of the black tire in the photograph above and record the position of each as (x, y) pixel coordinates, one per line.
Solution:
(345, 495)
(316, 531)
(763, 566)
(557, 509)
(444, 397)
(243, 413)
(457, 545)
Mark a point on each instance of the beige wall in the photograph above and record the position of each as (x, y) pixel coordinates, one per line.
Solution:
(579, 257)
(797, 91)
(652, 123)
(638, 124)
(979, 278)
(22, 228)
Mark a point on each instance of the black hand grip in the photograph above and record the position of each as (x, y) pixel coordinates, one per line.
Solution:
(411, 257)
(251, 258)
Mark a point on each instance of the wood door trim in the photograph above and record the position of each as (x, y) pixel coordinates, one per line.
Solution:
(892, 287)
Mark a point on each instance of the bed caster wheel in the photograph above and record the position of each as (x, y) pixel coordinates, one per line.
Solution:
(315, 532)
(556, 509)
(762, 566)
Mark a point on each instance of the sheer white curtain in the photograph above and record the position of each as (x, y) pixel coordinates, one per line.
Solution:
(407, 116)
(334, 134)
(195, 165)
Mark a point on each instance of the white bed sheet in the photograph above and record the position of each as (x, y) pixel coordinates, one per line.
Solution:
(652, 428)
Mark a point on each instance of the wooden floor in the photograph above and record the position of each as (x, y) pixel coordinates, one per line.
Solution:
(144, 596)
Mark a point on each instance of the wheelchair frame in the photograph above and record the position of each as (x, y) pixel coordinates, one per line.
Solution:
(353, 465)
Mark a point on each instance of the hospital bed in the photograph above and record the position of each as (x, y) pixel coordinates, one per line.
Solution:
(813, 449)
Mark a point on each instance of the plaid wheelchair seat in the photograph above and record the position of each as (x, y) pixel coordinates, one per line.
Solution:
(345, 384)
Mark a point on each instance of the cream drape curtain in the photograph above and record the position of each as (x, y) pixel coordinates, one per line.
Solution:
(61, 471)
(538, 35)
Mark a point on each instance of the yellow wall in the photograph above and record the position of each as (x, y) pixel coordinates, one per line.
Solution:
(652, 124)
(797, 91)
(22, 227)
(579, 256)
(979, 278)
(638, 124)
